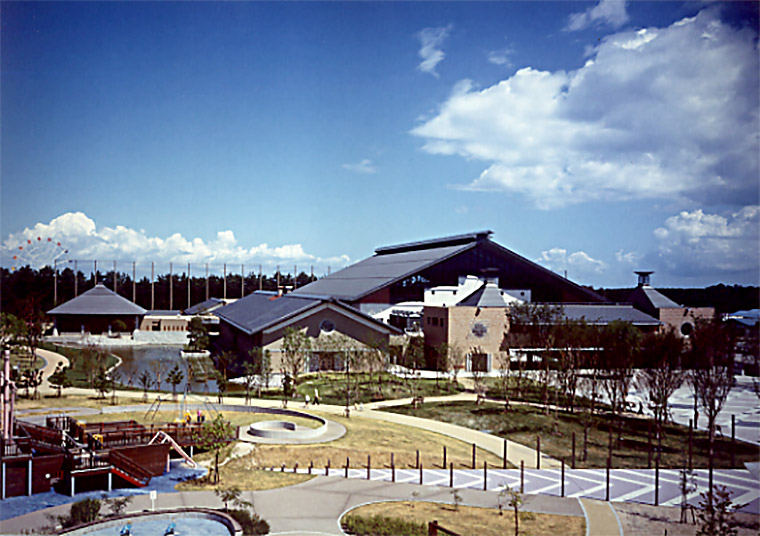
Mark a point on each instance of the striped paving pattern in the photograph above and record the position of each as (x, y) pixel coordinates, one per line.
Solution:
(626, 485)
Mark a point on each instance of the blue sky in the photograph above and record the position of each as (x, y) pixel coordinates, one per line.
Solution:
(596, 138)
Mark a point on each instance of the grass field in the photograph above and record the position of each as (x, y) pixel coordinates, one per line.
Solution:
(523, 423)
(472, 520)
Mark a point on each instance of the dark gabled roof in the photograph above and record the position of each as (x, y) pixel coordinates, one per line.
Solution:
(648, 297)
(456, 240)
(606, 313)
(204, 306)
(381, 270)
(261, 310)
(488, 295)
(99, 300)
(392, 264)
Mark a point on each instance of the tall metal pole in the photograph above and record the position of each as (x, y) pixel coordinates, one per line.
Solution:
(261, 275)
(152, 286)
(134, 282)
(171, 288)
(76, 279)
(55, 282)
(224, 284)
(95, 264)
(188, 285)
(207, 281)
(114, 277)
(242, 280)
(295, 277)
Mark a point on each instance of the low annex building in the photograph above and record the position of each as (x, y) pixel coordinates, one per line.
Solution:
(96, 311)
(260, 319)
(681, 319)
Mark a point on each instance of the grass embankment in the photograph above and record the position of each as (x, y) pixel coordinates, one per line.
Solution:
(363, 437)
(377, 439)
(363, 388)
(522, 423)
(83, 362)
(462, 520)
(20, 359)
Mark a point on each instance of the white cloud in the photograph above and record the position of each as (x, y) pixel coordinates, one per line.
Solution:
(698, 242)
(83, 240)
(610, 12)
(365, 166)
(500, 57)
(630, 257)
(431, 40)
(653, 114)
(579, 265)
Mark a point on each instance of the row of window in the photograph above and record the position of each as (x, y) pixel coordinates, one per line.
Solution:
(435, 321)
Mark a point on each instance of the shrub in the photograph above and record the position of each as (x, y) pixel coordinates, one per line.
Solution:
(251, 523)
(83, 511)
(379, 525)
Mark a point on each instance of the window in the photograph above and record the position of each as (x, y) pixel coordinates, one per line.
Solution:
(327, 326)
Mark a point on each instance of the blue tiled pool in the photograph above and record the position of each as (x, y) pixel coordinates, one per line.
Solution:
(184, 525)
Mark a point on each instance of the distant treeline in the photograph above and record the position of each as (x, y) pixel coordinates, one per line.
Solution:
(725, 298)
(28, 288)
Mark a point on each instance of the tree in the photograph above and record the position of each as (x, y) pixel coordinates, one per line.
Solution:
(232, 495)
(197, 335)
(222, 383)
(175, 377)
(159, 368)
(620, 343)
(503, 360)
(442, 361)
(12, 330)
(214, 435)
(102, 383)
(661, 355)
(33, 332)
(712, 356)
(60, 378)
(573, 337)
(146, 381)
(117, 505)
(296, 345)
(716, 513)
(515, 502)
(533, 326)
(249, 379)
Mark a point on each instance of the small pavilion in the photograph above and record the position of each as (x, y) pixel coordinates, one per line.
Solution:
(96, 311)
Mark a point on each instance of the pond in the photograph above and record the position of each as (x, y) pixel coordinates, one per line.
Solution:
(157, 361)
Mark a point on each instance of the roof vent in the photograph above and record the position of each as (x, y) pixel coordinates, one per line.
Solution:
(643, 278)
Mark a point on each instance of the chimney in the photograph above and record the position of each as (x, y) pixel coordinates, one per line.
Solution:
(643, 278)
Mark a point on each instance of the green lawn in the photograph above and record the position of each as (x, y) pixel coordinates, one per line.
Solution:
(523, 423)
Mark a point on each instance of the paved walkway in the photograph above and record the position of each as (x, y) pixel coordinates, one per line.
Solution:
(626, 485)
(316, 507)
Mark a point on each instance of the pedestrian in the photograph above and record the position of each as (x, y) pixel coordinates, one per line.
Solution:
(306, 399)
(199, 416)
(316, 397)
